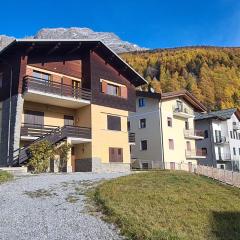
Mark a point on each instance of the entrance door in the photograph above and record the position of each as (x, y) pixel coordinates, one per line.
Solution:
(190, 167)
(68, 120)
(172, 165)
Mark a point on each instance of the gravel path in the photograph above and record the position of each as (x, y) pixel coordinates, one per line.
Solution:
(52, 206)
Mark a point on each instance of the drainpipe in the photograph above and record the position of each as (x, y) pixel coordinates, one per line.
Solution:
(10, 103)
(161, 134)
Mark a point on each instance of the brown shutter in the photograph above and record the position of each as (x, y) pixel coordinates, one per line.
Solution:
(124, 92)
(104, 87)
(115, 154)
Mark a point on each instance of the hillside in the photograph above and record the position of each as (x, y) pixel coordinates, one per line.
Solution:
(212, 74)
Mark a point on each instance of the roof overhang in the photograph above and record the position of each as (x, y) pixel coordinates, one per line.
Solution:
(65, 46)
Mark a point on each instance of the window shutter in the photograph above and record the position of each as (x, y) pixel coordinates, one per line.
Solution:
(124, 92)
(104, 87)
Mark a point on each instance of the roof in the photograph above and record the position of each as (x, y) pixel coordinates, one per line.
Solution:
(74, 45)
(221, 115)
(184, 94)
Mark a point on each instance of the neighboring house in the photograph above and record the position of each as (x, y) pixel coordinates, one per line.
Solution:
(164, 130)
(222, 138)
(77, 91)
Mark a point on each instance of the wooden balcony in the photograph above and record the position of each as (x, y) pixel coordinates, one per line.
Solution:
(193, 134)
(55, 93)
(195, 153)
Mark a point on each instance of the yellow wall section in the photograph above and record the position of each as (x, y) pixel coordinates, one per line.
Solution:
(176, 132)
(102, 138)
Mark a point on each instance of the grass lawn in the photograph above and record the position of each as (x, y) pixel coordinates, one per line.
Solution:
(5, 176)
(171, 205)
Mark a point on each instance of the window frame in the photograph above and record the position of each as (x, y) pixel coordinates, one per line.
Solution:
(141, 145)
(144, 123)
(169, 122)
(171, 144)
(141, 102)
(114, 126)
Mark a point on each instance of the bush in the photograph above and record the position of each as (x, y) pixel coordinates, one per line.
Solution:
(40, 153)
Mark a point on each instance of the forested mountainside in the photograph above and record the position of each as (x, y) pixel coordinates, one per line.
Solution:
(211, 74)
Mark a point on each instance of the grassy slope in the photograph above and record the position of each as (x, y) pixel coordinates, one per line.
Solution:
(171, 205)
(4, 176)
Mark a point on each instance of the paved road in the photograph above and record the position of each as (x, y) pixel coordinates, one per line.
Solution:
(51, 207)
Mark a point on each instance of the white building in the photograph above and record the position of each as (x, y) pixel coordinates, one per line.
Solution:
(222, 141)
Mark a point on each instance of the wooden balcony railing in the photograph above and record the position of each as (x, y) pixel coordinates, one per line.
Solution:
(55, 88)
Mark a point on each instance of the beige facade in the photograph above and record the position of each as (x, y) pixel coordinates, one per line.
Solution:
(168, 132)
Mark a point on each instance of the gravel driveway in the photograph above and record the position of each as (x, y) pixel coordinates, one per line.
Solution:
(52, 206)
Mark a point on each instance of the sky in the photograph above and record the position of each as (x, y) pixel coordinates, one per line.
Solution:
(148, 23)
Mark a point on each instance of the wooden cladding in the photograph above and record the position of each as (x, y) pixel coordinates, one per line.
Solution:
(114, 123)
(115, 154)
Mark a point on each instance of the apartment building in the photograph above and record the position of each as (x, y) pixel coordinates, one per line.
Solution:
(164, 128)
(222, 138)
(77, 91)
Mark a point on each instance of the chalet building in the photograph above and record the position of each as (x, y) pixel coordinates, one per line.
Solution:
(77, 91)
(164, 130)
(222, 138)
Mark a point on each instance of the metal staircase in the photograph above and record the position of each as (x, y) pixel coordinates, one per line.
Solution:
(21, 155)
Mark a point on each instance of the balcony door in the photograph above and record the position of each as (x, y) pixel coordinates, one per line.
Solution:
(76, 85)
(33, 118)
(68, 120)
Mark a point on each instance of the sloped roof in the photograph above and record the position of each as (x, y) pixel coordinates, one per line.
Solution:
(70, 44)
(221, 115)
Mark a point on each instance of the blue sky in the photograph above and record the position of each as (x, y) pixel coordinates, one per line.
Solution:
(148, 23)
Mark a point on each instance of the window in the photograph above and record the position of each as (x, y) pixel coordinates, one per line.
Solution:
(169, 122)
(68, 120)
(128, 126)
(115, 154)
(179, 106)
(188, 146)
(186, 125)
(231, 134)
(143, 145)
(171, 144)
(113, 123)
(204, 151)
(41, 75)
(239, 151)
(113, 90)
(141, 102)
(239, 136)
(144, 165)
(1, 80)
(206, 134)
(234, 151)
(218, 136)
(33, 117)
(142, 123)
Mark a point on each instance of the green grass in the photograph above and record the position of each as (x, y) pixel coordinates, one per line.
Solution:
(5, 176)
(170, 205)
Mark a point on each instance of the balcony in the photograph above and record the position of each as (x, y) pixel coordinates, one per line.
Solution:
(55, 93)
(75, 134)
(182, 111)
(193, 134)
(220, 140)
(236, 126)
(196, 153)
(131, 138)
(223, 157)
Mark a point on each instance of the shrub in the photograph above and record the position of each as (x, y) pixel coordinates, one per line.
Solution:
(40, 153)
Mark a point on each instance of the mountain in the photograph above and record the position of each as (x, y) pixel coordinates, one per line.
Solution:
(110, 39)
(212, 74)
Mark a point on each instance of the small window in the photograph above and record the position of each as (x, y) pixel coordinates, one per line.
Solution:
(234, 151)
(143, 146)
(142, 123)
(231, 134)
(204, 151)
(144, 165)
(141, 102)
(186, 125)
(1, 80)
(41, 76)
(128, 126)
(222, 166)
(206, 134)
(113, 123)
(115, 154)
(171, 144)
(113, 90)
(169, 122)
(188, 146)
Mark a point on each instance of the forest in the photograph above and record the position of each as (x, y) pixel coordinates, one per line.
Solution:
(212, 74)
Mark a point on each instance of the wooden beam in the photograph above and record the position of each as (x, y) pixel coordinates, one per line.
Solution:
(74, 49)
(30, 49)
(53, 49)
